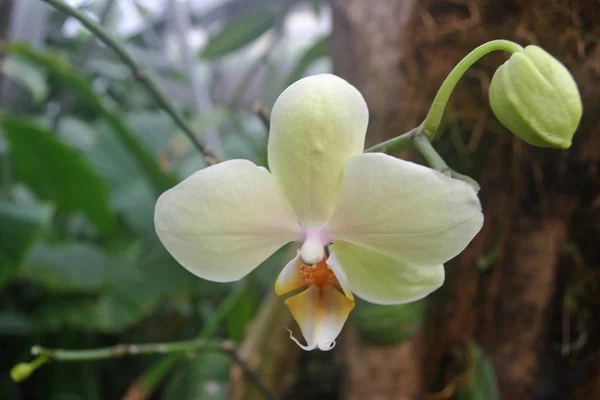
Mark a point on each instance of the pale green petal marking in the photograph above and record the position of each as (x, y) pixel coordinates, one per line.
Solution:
(317, 124)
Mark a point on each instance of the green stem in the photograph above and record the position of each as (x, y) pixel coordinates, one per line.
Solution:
(137, 72)
(434, 117)
(121, 350)
(392, 146)
(44, 355)
(431, 156)
(435, 161)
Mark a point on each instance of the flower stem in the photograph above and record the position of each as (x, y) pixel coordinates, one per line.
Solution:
(137, 72)
(121, 350)
(399, 143)
(434, 117)
(435, 161)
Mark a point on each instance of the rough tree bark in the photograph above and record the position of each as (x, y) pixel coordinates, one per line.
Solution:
(538, 203)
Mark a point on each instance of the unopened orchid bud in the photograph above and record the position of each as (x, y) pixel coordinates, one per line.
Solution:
(536, 98)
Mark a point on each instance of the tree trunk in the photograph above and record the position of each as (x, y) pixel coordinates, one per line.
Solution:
(513, 289)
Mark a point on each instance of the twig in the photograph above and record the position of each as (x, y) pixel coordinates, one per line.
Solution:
(121, 350)
(138, 74)
(45, 355)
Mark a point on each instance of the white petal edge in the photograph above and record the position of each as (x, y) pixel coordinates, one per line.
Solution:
(382, 280)
(223, 221)
(317, 124)
(406, 211)
(320, 314)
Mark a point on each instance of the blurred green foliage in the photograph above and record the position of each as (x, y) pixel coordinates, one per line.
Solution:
(481, 379)
(80, 264)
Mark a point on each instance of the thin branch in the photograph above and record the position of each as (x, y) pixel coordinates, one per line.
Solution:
(122, 350)
(137, 72)
(399, 143)
(45, 355)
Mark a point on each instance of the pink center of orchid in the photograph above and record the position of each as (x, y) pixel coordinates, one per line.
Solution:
(314, 241)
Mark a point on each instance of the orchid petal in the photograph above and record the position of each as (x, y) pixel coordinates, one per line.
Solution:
(333, 262)
(405, 211)
(321, 314)
(383, 280)
(224, 220)
(289, 278)
(317, 124)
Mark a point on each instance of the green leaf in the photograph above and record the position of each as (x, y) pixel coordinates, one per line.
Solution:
(320, 48)
(57, 172)
(204, 377)
(31, 78)
(77, 133)
(239, 32)
(70, 267)
(60, 69)
(122, 290)
(21, 224)
(482, 384)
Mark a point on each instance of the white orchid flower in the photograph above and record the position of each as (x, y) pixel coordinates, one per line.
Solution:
(368, 224)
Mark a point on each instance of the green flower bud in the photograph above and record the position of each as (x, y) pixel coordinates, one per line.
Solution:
(21, 371)
(536, 98)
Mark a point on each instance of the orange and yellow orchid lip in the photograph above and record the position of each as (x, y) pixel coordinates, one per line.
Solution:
(318, 275)
(322, 308)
